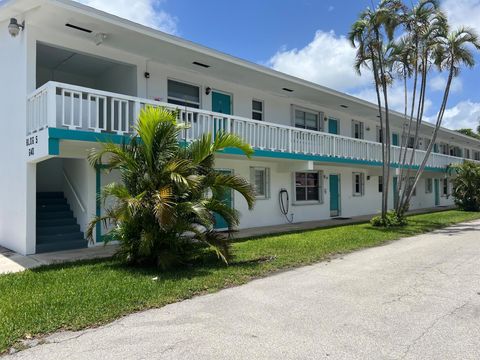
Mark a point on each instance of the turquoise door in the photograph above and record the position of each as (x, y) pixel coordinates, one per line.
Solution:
(333, 126)
(437, 192)
(221, 103)
(395, 192)
(226, 198)
(334, 195)
(395, 139)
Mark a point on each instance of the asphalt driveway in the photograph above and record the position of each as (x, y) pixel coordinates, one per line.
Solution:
(416, 298)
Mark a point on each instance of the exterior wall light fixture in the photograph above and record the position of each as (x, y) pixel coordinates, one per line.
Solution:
(99, 38)
(14, 27)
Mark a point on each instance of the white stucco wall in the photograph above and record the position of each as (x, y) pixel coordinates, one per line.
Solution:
(17, 224)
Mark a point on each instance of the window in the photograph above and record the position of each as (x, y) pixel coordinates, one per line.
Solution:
(411, 181)
(257, 110)
(308, 186)
(306, 119)
(380, 184)
(358, 184)
(444, 149)
(183, 94)
(445, 187)
(466, 153)
(428, 185)
(427, 144)
(394, 139)
(357, 129)
(411, 142)
(379, 134)
(476, 155)
(260, 178)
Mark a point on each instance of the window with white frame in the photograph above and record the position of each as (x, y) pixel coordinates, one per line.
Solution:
(476, 155)
(428, 185)
(466, 153)
(307, 119)
(358, 184)
(379, 134)
(445, 187)
(357, 129)
(380, 184)
(411, 181)
(411, 142)
(257, 110)
(308, 186)
(260, 179)
(183, 94)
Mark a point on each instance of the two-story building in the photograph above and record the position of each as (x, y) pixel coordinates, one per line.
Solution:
(73, 76)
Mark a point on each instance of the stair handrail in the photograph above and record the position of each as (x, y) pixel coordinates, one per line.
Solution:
(69, 183)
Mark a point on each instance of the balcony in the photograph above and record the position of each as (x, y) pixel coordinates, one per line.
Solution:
(57, 105)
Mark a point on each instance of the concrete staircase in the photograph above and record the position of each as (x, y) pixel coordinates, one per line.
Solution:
(57, 228)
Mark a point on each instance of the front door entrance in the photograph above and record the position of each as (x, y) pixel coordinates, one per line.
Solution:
(221, 103)
(333, 126)
(226, 198)
(437, 192)
(334, 186)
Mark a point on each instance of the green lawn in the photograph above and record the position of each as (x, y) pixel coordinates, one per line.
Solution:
(89, 293)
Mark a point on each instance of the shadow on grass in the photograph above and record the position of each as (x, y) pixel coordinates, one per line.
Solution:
(202, 267)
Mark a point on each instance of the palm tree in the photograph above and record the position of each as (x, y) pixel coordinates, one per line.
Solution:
(371, 35)
(163, 211)
(425, 24)
(452, 52)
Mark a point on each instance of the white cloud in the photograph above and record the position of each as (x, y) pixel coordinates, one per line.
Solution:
(327, 60)
(145, 12)
(463, 12)
(466, 114)
(437, 83)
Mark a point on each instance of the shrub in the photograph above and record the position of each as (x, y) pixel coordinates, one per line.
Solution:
(466, 186)
(392, 219)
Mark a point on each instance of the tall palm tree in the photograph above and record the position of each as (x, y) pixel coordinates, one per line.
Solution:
(370, 35)
(452, 52)
(164, 208)
(425, 24)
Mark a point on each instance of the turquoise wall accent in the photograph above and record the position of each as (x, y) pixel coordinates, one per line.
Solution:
(80, 135)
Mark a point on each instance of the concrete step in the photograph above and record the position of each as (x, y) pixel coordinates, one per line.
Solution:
(56, 222)
(52, 207)
(59, 229)
(49, 195)
(54, 215)
(56, 238)
(51, 201)
(71, 245)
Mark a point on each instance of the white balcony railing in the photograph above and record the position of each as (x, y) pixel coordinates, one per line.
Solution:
(78, 108)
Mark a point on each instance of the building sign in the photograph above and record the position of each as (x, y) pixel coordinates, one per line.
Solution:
(30, 143)
(36, 146)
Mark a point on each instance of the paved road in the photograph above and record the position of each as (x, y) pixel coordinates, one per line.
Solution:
(417, 298)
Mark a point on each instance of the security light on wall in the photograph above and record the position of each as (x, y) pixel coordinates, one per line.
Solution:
(99, 38)
(14, 27)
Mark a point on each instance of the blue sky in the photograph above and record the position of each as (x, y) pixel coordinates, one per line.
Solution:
(305, 38)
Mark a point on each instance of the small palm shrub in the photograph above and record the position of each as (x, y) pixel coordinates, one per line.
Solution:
(163, 211)
(392, 219)
(466, 186)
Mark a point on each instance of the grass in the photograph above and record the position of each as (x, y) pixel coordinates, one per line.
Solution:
(89, 293)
